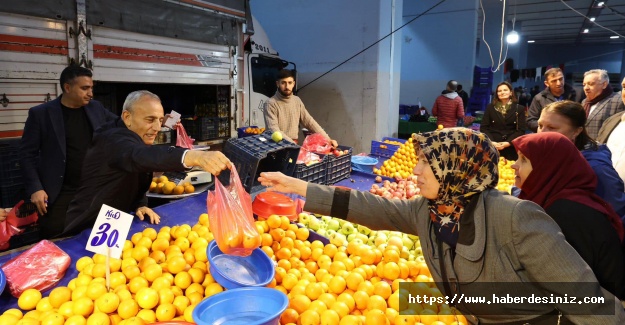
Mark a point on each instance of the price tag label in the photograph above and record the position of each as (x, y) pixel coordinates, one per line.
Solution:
(109, 232)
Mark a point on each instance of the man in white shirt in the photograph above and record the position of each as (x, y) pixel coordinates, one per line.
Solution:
(612, 134)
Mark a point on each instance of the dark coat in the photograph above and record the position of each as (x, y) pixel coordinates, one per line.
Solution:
(594, 238)
(117, 171)
(501, 128)
(42, 148)
(543, 99)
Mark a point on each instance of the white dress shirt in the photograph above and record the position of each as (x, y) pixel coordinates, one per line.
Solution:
(616, 144)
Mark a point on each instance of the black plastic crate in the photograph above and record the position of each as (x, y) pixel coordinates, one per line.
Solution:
(9, 159)
(10, 194)
(256, 154)
(192, 127)
(339, 168)
(315, 173)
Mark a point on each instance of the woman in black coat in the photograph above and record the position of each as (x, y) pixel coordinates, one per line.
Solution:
(504, 120)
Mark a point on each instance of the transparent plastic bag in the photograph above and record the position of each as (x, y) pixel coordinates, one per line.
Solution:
(40, 267)
(231, 218)
(182, 139)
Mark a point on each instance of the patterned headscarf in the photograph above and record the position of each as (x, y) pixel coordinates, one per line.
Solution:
(465, 163)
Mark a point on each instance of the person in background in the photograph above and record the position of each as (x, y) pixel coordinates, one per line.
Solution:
(601, 102)
(118, 166)
(285, 112)
(504, 120)
(448, 106)
(465, 97)
(556, 90)
(55, 139)
(569, 118)
(472, 233)
(552, 173)
(612, 134)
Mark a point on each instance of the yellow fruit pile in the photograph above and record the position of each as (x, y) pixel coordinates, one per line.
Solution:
(397, 143)
(163, 275)
(162, 185)
(506, 175)
(401, 164)
(352, 284)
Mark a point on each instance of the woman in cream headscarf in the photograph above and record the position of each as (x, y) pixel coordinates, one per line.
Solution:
(476, 240)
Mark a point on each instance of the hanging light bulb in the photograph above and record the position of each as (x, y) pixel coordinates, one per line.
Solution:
(512, 37)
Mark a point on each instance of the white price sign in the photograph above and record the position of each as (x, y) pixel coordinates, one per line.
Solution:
(109, 232)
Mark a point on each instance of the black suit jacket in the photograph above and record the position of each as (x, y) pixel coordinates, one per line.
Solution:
(117, 171)
(42, 148)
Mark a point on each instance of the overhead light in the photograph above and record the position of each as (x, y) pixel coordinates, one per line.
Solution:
(600, 4)
(586, 31)
(592, 18)
(533, 41)
(512, 37)
(613, 37)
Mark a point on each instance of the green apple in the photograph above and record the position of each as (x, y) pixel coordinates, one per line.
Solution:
(313, 223)
(347, 228)
(363, 230)
(276, 136)
(362, 237)
(338, 239)
(321, 232)
(304, 218)
(351, 237)
(329, 232)
(408, 243)
(333, 224)
(326, 219)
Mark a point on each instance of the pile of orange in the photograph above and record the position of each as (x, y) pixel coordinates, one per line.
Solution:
(163, 275)
(401, 164)
(162, 185)
(252, 130)
(506, 175)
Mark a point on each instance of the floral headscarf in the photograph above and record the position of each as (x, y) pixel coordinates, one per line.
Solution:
(465, 163)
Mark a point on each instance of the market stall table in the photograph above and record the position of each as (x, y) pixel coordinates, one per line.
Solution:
(183, 211)
(179, 212)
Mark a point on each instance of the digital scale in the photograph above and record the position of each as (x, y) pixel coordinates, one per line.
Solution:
(195, 177)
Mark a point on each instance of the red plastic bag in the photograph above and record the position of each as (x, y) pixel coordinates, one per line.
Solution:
(317, 143)
(182, 139)
(6, 231)
(231, 218)
(40, 267)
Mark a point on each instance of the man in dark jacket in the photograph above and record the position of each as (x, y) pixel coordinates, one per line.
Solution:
(53, 146)
(556, 91)
(119, 163)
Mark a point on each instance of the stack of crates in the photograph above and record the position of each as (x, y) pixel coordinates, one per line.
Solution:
(258, 153)
(481, 90)
(11, 183)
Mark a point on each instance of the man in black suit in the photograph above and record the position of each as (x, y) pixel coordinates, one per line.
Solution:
(118, 167)
(55, 140)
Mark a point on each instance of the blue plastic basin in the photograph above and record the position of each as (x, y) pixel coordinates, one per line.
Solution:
(255, 270)
(245, 306)
(3, 281)
(364, 163)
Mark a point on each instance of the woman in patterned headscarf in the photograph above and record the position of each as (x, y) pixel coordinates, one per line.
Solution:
(476, 240)
(504, 120)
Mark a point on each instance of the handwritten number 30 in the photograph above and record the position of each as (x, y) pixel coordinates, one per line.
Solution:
(103, 236)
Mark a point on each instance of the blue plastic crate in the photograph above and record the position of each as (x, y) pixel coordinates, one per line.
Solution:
(379, 148)
(241, 131)
(339, 168)
(258, 153)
